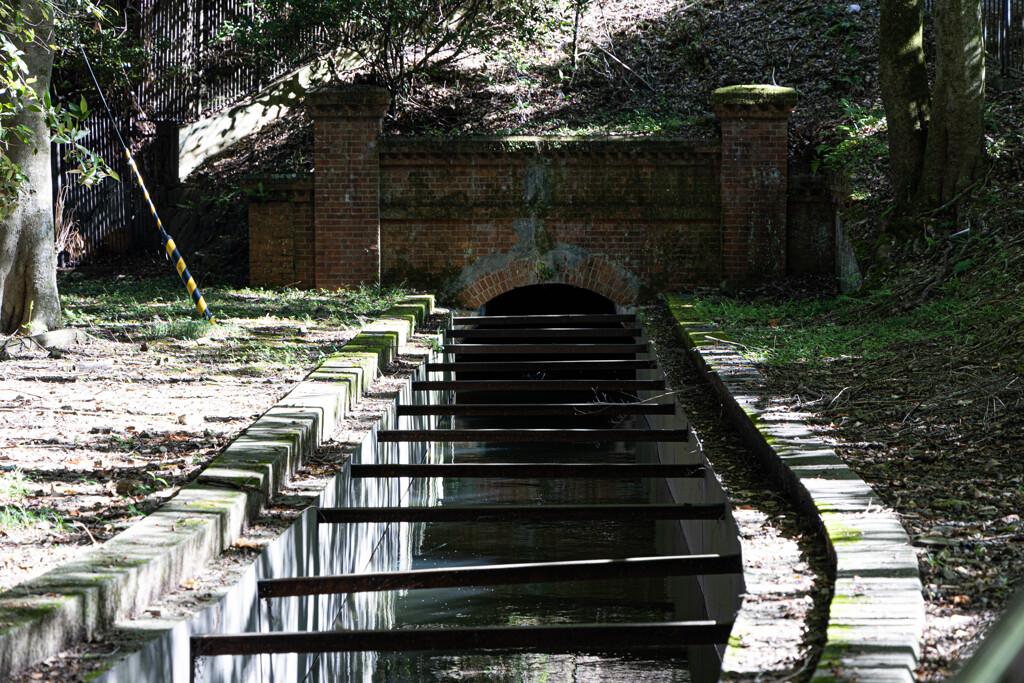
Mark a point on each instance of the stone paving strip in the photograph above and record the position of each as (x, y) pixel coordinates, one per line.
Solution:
(876, 619)
(71, 603)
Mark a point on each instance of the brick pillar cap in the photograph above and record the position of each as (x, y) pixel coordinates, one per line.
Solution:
(349, 100)
(755, 97)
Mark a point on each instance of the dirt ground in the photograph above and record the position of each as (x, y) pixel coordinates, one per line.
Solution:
(936, 427)
(99, 431)
(939, 439)
(108, 431)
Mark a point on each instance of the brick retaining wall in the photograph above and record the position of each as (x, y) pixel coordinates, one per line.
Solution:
(281, 232)
(650, 207)
(474, 217)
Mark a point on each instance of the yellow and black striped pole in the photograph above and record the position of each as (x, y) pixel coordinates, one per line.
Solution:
(169, 245)
(172, 248)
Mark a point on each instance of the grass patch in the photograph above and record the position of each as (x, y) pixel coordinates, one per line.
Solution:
(884, 323)
(176, 329)
(254, 326)
(13, 485)
(126, 298)
(14, 515)
(19, 517)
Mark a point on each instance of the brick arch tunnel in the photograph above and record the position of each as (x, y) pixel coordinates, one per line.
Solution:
(545, 283)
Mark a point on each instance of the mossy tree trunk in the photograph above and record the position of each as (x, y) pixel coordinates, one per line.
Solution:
(904, 86)
(936, 139)
(28, 262)
(955, 154)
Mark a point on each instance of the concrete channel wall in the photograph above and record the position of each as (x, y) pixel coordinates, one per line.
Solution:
(876, 619)
(719, 595)
(41, 617)
(306, 548)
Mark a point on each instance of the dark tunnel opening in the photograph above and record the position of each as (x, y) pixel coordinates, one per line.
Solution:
(548, 299)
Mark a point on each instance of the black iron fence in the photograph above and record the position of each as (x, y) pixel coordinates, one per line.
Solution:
(1003, 26)
(194, 69)
(102, 217)
(1004, 34)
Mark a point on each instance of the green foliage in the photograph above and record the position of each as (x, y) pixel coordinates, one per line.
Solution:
(117, 55)
(19, 517)
(179, 329)
(857, 139)
(395, 38)
(18, 94)
(858, 146)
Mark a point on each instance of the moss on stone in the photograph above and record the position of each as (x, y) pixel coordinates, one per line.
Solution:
(14, 616)
(838, 532)
(755, 95)
(843, 599)
(374, 340)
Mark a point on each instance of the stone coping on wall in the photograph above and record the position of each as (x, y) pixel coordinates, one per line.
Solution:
(458, 207)
(278, 186)
(45, 615)
(753, 97)
(627, 147)
(876, 618)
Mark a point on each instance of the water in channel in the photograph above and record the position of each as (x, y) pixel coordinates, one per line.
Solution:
(438, 545)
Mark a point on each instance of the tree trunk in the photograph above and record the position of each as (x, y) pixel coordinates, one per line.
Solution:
(955, 154)
(28, 262)
(904, 86)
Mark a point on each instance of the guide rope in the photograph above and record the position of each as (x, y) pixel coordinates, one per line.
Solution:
(169, 246)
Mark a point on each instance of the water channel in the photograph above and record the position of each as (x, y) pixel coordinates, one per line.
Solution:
(707, 600)
(459, 544)
(625, 601)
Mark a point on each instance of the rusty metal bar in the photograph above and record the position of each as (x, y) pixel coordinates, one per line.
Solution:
(544, 349)
(529, 470)
(533, 435)
(543, 409)
(503, 575)
(542, 366)
(544, 333)
(538, 385)
(566, 319)
(542, 639)
(622, 512)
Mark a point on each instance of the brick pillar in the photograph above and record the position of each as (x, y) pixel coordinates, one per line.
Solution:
(346, 125)
(754, 146)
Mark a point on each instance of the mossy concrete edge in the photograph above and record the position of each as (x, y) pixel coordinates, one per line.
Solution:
(120, 578)
(876, 618)
(755, 95)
